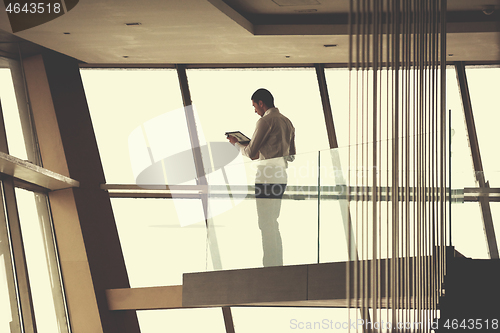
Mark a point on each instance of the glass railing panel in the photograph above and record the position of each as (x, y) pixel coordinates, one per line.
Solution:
(234, 211)
(300, 211)
(334, 209)
(347, 228)
(197, 227)
(467, 232)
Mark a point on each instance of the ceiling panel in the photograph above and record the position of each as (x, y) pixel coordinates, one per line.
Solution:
(210, 31)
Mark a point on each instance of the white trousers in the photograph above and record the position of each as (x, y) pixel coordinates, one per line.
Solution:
(270, 183)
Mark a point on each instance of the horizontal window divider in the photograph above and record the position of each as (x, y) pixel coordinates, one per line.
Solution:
(473, 194)
(293, 192)
(34, 176)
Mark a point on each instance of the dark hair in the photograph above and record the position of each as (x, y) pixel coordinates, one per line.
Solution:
(265, 96)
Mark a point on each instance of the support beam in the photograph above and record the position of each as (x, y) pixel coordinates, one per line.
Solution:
(245, 286)
(89, 247)
(228, 319)
(201, 178)
(151, 298)
(477, 163)
(314, 285)
(33, 174)
(335, 157)
(327, 108)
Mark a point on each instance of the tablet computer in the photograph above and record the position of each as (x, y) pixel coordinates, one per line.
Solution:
(242, 138)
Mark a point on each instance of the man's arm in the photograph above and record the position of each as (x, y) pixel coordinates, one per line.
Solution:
(291, 149)
(255, 157)
(235, 142)
(259, 137)
(292, 145)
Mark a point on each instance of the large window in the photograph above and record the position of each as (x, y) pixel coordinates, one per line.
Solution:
(130, 106)
(140, 125)
(29, 269)
(10, 112)
(484, 84)
(466, 227)
(486, 116)
(121, 101)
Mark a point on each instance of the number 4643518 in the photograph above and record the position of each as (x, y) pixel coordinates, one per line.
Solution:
(472, 324)
(33, 8)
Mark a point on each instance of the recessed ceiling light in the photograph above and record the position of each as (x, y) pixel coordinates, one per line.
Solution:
(489, 9)
(133, 23)
(306, 10)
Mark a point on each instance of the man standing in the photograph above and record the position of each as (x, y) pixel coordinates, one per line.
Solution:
(273, 143)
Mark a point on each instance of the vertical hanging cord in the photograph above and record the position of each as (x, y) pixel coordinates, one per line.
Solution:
(361, 167)
(442, 141)
(419, 134)
(413, 188)
(358, 271)
(449, 179)
(374, 277)
(319, 198)
(349, 239)
(389, 19)
(405, 158)
(365, 90)
(357, 275)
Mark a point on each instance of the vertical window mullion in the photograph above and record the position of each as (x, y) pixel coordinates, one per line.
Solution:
(6, 260)
(23, 289)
